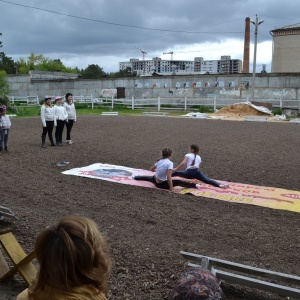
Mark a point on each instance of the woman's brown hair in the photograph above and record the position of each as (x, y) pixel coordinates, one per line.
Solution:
(166, 152)
(195, 149)
(71, 254)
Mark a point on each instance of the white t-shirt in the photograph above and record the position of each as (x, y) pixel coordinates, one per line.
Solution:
(162, 167)
(191, 157)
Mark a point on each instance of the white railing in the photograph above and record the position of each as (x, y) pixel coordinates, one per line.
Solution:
(159, 103)
(24, 101)
(93, 101)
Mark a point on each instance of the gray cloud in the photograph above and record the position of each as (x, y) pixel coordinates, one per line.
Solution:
(27, 30)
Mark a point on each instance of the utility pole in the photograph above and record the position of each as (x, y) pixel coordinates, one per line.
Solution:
(256, 23)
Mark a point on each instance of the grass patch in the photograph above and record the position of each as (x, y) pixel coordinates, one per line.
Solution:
(83, 109)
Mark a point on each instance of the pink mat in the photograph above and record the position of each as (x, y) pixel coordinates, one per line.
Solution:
(275, 198)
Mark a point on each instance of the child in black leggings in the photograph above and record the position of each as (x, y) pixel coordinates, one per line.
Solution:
(163, 174)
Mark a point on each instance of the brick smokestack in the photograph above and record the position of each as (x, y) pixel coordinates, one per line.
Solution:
(246, 46)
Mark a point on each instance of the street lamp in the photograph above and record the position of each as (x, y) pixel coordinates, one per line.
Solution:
(256, 23)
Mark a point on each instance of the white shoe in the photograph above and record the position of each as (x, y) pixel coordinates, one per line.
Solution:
(224, 186)
(198, 186)
(70, 142)
(67, 141)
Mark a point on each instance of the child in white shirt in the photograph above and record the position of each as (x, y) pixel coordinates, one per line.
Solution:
(5, 125)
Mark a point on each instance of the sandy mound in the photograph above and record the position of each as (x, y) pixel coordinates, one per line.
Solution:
(238, 111)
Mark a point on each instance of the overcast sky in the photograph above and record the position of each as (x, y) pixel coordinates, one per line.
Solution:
(105, 32)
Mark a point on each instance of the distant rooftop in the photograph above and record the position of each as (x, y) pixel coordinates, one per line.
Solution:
(289, 27)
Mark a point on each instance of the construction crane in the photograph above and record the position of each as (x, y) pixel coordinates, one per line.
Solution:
(144, 52)
(171, 52)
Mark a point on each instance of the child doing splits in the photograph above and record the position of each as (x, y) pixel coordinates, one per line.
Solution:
(163, 174)
(192, 162)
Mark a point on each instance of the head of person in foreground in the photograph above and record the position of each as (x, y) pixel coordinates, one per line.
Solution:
(74, 260)
(197, 284)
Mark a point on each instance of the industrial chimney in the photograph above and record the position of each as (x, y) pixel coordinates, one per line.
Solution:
(246, 46)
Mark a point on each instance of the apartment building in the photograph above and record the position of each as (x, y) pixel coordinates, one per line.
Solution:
(225, 65)
(158, 65)
(286, 45)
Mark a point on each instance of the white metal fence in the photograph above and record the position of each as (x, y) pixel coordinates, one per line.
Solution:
(186, 103)
(24, 101)
(159, 103)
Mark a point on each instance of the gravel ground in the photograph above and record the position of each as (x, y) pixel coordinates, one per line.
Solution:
(147, 228)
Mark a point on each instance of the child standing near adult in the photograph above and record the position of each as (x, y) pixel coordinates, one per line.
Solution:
(47, 117)
(163, 174)
(192, 162)
(71, 110)
(5, 125)
(60, 118)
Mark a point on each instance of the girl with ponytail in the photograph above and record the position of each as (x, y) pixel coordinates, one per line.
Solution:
(192, 162)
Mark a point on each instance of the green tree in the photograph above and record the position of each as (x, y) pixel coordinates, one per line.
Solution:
(41, 63)
(93, 72)
(127, 72)
(4, 86)
(7, 64)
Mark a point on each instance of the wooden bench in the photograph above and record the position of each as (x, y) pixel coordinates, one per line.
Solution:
(237, 274)
(257, 118)
(21, 262)
(155, 113)
(110, 113)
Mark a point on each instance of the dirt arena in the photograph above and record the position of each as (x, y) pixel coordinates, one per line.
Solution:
(147, 228)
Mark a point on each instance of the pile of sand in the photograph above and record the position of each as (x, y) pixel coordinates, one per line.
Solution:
(238, 111)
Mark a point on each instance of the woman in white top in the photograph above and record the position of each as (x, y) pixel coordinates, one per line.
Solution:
(60, 118)
(163, 174)
(70, 108)
(192, 162)
(47, 117)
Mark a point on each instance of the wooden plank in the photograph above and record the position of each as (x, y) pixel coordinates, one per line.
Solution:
(3, 265)
(22, 262)
(243, 268)
(12, 247)
(25, 268)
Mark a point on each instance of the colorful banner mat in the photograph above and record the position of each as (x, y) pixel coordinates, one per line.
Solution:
(275, 198)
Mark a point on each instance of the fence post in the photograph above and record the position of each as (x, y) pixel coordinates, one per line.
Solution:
(185, 103)
(112, 102)
(158, 104)
(215, 103)
(132, 103)
(280, 102)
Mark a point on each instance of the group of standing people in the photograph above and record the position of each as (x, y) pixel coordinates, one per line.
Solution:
(5, 125)
(57, 115)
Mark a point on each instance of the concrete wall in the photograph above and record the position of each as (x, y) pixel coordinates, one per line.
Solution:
(268, 86)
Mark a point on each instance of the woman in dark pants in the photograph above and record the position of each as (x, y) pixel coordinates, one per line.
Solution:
(60, 118)
(192, 162)
(70, 108)
(47, 117)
